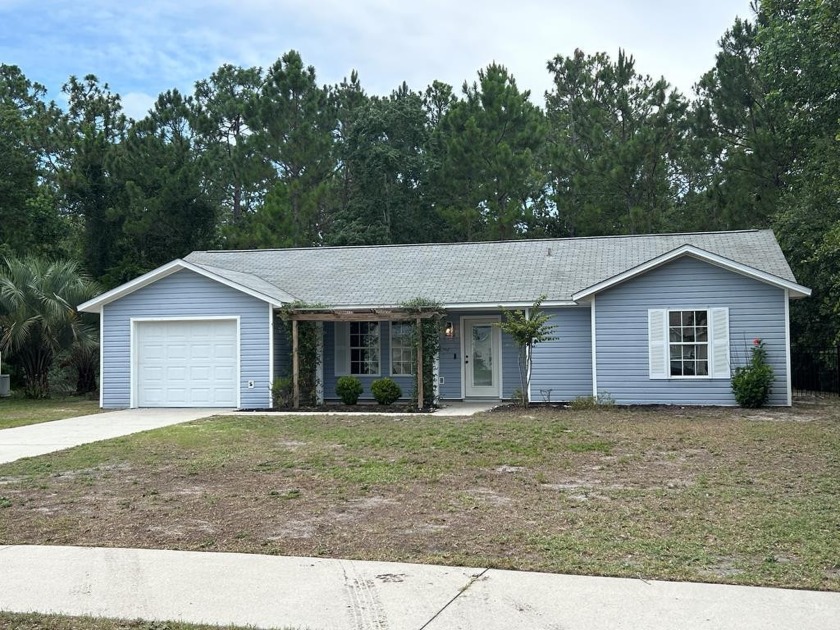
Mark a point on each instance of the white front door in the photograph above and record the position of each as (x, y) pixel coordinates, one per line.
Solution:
(482, 358)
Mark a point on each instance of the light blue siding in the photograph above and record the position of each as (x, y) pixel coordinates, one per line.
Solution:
(451, 360)
(564, 364)
(186, 294)
(756, 309)
(406, 383)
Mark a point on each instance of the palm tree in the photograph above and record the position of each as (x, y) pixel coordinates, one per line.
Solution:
(38, 316)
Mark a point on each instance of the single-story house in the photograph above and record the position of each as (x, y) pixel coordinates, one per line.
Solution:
(652, 319)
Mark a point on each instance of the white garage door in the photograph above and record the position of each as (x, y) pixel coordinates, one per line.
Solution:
(186, 363)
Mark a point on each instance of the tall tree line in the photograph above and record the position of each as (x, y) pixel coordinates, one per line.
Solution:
(268, 157)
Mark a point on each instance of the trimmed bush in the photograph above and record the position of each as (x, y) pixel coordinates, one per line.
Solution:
(349, 388)
(751, 383)
(386, 391)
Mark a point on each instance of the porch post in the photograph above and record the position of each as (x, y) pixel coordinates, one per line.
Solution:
(419, 363)
(295, 369)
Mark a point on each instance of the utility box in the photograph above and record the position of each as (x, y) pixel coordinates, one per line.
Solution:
(4, 385)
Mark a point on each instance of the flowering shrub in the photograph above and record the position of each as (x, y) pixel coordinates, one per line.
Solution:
(751, 383)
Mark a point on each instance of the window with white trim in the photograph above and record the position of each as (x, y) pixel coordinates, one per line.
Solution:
(364, 348)
(403, 354)
(688, 343)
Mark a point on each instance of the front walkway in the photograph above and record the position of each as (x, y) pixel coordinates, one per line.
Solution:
(317, 593)
(46, 437)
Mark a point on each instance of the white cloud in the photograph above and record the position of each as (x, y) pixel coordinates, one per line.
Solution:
(148, 47)
(136, 105)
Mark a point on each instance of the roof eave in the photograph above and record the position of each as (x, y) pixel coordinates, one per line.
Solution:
(95, 305)
(795, 290)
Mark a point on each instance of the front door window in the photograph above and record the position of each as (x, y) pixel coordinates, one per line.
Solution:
(482, 358)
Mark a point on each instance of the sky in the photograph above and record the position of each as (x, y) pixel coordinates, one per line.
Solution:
(144, 47)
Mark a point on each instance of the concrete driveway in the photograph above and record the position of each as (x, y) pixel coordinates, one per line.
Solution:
(318, 593)
(46, 437)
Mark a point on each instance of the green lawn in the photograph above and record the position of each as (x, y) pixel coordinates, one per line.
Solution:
(17, 412)
(714, 495)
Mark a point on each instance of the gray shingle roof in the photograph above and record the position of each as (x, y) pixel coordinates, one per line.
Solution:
(472, 273)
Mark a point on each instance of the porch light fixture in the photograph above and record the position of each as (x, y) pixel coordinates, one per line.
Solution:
(449, 331)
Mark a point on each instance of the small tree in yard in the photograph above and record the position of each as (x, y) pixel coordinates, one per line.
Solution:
(527, 331)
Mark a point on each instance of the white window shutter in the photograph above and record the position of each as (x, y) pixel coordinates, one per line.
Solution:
(719, 336)
(342, 348)
(658, 343)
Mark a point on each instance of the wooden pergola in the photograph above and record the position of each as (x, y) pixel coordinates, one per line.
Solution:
(357, 315)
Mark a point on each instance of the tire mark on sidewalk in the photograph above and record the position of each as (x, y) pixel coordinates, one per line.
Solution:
(365, 606)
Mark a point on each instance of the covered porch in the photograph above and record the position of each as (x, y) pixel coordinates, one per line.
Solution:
(354, 347)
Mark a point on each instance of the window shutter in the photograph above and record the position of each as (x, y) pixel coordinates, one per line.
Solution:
(342, 348)
(658, 343)
(719, 335)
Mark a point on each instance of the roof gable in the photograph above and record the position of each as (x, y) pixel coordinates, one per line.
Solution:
(235, 280)
(796, 290)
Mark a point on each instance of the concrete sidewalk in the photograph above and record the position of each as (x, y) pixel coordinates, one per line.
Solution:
(273, 591)
(46, 437)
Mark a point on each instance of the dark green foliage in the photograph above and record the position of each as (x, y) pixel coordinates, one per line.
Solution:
(486, 178)
(348, 389)
(281, 393)
(89, 137)
(308, 335)
(385, 391)
(222, 113)
(614, 137)
(39, 322)
(29, 223)
(294, 122)
(385, 156)
(752, 383)
(166, 213)
(430, 328)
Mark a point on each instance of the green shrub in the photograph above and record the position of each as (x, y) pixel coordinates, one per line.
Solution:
(349, 388)
(386, 391)
(583, 403)
(751, 383)
(281, 392)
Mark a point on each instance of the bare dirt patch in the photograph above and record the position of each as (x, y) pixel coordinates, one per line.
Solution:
(677, 493)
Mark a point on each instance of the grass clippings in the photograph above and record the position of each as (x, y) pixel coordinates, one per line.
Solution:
(712, 495)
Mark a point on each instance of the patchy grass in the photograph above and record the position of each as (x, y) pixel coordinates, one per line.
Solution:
(17, 412)
(30, 621)
(714, 495)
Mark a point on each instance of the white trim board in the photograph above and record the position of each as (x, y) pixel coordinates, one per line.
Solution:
(95, 305)
(795, 290)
